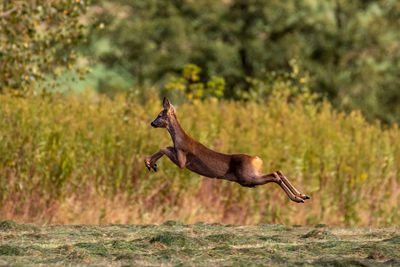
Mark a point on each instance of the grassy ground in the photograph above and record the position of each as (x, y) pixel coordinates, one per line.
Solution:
(173, 243)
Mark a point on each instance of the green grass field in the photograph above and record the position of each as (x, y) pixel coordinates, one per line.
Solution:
(173, 243)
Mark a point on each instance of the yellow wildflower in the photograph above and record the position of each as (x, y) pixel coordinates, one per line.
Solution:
(196, 101)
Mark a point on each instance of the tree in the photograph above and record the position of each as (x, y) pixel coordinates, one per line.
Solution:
(38, 37)
(350, 49)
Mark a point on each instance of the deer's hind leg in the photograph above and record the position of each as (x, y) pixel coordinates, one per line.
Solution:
(275, 178)
(250, 175)
(290, 186)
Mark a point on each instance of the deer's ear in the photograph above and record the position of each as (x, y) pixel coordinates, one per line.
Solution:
(171, 109)
(166, 103)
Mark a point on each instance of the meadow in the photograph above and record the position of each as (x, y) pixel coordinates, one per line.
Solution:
(200, 244)
(310, 87)
(78, 158)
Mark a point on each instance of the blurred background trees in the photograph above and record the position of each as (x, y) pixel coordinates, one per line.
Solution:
(37, 38)
(348, 52)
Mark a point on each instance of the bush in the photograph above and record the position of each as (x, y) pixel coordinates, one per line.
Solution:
(37, 38)
(191, 88)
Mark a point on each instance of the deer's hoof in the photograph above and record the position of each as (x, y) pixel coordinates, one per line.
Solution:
(306, 197)
(147, 164)
(154, 167)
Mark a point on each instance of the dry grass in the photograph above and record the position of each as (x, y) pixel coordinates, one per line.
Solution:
(200, 244)
(79, 159)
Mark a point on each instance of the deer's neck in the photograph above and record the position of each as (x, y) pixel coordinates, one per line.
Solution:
(178, 135)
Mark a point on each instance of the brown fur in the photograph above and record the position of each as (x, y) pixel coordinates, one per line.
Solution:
(189, 153)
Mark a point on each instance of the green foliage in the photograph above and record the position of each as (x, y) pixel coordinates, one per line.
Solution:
(56, 148)
(189, 84)
(341, 44)
(38, 37)
(292, 84)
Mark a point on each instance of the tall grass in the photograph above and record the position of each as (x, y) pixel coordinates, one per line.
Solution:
(79, 159)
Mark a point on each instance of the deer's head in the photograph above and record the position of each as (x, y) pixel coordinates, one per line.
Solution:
(166, 115)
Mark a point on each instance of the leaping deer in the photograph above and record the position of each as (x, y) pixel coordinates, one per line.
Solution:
(191, 154)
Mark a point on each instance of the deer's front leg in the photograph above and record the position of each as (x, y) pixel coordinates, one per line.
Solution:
(150, 162)
(169, 151)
